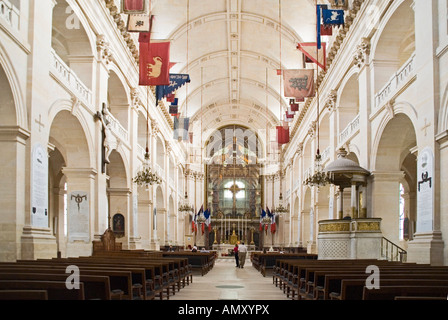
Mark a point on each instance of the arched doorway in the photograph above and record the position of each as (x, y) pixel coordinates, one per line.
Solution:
(70, 200)
(395, 165)
(13, 150)
(119, 194)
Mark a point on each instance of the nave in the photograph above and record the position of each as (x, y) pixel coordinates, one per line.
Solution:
(227, 282)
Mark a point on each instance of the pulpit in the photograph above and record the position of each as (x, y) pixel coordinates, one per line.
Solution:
(107, 242)
(350, 239)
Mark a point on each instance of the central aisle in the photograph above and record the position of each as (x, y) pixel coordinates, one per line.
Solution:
(226, 282)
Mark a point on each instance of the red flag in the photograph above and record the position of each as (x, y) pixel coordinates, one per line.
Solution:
(282, 134)
(134, 6)
(154, 62)
(326, 31)
(294, 105)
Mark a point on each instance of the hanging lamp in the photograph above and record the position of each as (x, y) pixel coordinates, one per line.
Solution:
(145, 176)
(319, 178)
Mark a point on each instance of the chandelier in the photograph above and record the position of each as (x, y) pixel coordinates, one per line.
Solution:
(319, 178)
(185, 206)
(280, 209)
(145, 177)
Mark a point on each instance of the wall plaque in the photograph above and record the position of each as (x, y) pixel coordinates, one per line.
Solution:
(425, 191)
(39, 187)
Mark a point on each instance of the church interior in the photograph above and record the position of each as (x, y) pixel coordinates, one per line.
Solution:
(311, 130)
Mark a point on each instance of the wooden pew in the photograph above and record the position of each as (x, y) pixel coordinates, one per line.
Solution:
(332, 281)
(56, 290)
(28, 295)
(95, 287)
(355, 289)
(122, 279)
(352, 289)
(265, 262)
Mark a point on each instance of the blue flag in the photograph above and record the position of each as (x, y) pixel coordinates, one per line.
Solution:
(176, 81)
(333, 17)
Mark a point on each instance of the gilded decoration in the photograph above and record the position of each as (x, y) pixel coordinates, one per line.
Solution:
(368, 226)
(335, 227)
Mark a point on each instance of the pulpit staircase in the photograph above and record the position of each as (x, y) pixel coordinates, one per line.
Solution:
(391, 252)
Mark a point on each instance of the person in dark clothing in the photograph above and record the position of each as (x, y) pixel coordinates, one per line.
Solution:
(235, 252)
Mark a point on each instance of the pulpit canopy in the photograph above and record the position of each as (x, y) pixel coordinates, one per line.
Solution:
(343, 171)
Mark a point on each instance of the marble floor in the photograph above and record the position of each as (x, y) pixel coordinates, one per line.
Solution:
(226, 282)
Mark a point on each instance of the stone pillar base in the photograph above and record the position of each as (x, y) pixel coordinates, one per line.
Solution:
(38, 243)
(154, 245)
(426, 248)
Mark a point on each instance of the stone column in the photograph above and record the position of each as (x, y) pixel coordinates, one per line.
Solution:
(37, 240)
(13, 215)
(341, 203)
(353, 204)
(427, 245)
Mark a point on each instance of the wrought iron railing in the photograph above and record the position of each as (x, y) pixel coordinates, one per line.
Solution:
(391, 252)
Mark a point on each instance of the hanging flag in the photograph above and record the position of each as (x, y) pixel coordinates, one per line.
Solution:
(154, 62)
(139, 23)
(273, 224)
(170, 97)
(290, 113)
(181, 126)
(174, 110)
(287, 120)
(299, 83)
(333, 17)
(263, 214)
(326, 31)
(135, 6)
(293, 105)
(208, 220)
(193, 223)
(314, 55)
(282, 134)
(176, 81)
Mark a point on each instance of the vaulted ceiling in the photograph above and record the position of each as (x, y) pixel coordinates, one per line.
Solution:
(232, 50)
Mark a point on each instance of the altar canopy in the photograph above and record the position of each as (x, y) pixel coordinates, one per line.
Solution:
(234, 188)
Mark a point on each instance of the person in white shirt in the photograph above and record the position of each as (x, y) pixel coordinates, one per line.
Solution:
(242, 251)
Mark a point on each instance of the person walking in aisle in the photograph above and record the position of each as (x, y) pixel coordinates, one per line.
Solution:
(242, 251)
(235, 252)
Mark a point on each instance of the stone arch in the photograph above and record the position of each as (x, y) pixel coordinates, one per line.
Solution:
(160, 152)
(68, 135)
(118, 100)
(394, 42)
(70, 173)
(12, 110)
(348, 101)
(64, 105)
(73, 40)
(395, 161)
(443, 115)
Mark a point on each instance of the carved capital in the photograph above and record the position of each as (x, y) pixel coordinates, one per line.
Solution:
(362, 52)
(135, 98)
(331, 100)
(103, 48)
(312, 129)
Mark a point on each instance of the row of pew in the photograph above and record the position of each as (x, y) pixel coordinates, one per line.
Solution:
(265, 262)
(108, 275)
(359, 280)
